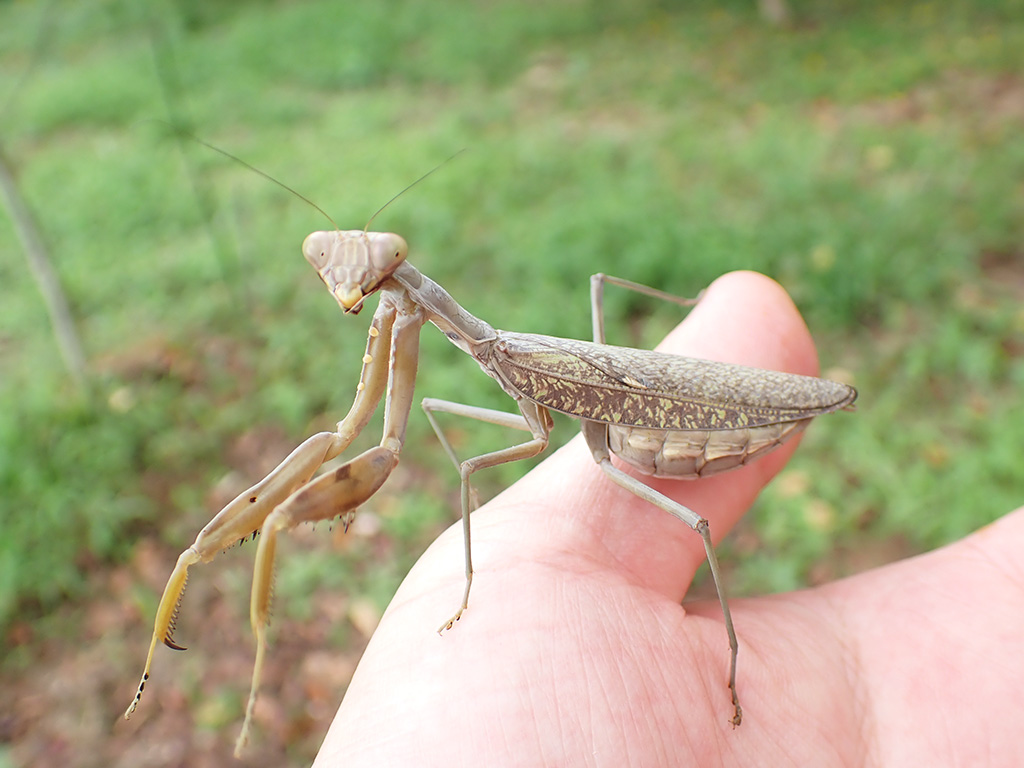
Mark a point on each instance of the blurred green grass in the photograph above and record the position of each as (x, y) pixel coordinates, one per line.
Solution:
(868, 157)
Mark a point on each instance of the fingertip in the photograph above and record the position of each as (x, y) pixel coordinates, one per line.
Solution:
(746, 317)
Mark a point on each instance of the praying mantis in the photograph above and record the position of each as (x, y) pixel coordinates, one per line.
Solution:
(665, 415)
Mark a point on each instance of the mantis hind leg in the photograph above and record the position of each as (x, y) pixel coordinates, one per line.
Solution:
(597, 299)
(596, 435)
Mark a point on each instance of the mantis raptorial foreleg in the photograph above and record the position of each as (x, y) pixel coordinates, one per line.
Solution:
(287, 497)
(246, 513)
(331, 495)
(237, 521)
(344, 489)
(534, 419)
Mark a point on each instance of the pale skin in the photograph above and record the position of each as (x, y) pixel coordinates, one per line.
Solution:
(575, 650)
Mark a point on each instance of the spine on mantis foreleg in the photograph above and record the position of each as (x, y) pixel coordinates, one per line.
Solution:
(166, 619)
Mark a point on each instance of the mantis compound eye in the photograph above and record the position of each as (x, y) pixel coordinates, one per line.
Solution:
(316, 249)
(387, 251)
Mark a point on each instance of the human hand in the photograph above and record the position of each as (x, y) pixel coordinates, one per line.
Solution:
(575, 649)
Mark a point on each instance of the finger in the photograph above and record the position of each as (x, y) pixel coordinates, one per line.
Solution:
(744, 317)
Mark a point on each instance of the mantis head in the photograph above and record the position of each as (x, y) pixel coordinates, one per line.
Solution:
(354, 263)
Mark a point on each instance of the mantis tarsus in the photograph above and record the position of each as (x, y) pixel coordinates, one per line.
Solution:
(665, 415)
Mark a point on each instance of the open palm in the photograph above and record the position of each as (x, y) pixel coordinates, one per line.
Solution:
(575, 650)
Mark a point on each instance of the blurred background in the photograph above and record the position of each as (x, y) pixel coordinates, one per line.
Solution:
(163, 344)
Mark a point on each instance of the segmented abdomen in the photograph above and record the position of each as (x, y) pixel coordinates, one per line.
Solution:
(690, 454)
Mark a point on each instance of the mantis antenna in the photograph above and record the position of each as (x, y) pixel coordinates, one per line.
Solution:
(389, 202)
(301, 196)
(267, 176)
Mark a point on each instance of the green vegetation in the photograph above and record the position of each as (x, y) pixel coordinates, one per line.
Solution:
(868, 157)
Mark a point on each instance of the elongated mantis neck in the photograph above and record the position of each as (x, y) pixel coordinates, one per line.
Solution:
(465, 330)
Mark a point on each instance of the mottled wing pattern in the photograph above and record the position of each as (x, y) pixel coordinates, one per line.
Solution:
(619, 385)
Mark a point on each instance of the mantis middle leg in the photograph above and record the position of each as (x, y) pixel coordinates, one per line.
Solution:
(533, 418)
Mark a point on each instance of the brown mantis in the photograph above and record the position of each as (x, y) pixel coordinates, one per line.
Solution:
(665, 415)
